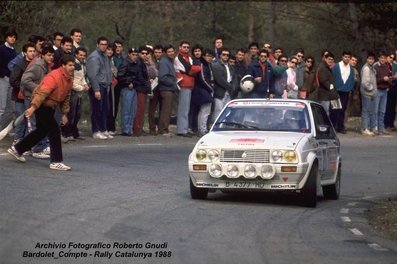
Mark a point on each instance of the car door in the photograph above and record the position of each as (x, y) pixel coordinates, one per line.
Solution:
(327, 141)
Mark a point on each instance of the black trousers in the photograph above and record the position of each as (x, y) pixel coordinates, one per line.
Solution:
(337, 116)
(46, 125)
(74, 115)
(113, 108)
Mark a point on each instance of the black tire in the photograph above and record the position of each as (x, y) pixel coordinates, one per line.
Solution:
(309, 191)
(332, 192)
(198, 193)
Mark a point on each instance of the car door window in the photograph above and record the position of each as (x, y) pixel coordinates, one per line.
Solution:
(321, 121)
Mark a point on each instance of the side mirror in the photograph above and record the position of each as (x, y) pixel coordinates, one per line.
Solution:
(323, 129)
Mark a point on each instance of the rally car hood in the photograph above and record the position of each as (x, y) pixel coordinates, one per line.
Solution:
(251, 139)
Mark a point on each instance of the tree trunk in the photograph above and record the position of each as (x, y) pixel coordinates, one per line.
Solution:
(354, 107)
(272, 23)
(250, 28)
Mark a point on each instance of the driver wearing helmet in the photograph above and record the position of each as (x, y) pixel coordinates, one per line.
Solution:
(293, 119)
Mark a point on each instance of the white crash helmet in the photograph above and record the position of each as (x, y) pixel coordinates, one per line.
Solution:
(247, 83)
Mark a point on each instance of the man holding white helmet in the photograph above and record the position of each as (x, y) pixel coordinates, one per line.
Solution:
(262, 71)
(247, 83)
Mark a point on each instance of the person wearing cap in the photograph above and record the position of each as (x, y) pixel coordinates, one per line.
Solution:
(149, 73)
(132, 77)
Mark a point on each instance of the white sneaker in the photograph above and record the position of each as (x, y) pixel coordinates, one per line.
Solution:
(112, 133)
(107, 134)
(40, 155)
(15, 141)
(59, 166)
(47, 150)
(366, 132)
(99, 135)
(64, 139)
(27, 153)
(13, 152)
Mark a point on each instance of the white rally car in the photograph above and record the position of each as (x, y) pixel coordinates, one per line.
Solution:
(268, 145)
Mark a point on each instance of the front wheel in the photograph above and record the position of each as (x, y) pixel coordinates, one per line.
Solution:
(332, 192)
(309, 191)
(198, 193)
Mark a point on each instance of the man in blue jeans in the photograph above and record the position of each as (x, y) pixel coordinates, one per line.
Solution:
(383, 81)
(368, 94)
(130, 76)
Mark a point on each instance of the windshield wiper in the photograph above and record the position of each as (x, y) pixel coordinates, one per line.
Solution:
(232, 124)
(239, 125)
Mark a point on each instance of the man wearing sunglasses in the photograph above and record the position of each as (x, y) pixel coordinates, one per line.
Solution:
(225, 82)
(262, 71)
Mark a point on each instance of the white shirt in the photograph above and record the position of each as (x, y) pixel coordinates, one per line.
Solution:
(8, 45)
(345, 71)
(229, 76)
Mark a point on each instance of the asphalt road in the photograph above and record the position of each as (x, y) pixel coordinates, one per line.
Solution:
(127, 195)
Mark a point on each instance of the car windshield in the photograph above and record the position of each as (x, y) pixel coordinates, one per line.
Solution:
(264, 117)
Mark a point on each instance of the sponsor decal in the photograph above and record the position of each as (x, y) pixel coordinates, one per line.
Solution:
(247, 140)
(300, 104)
(282, 186)
(203, 184)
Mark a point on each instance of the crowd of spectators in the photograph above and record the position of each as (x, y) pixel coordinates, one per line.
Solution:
(192, 81)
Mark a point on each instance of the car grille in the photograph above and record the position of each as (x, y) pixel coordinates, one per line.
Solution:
(247, 156)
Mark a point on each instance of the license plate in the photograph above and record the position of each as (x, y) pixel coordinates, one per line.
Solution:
(245, 184)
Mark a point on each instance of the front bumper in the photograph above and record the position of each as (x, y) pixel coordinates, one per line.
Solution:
(280, 181)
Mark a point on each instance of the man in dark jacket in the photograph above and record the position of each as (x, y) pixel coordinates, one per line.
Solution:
(132, 77)
(66, 48)
(7, 54)
(383, 81)
(15, 81)
(262, 71)
(225, 82)
(326, 83)
(167, 86)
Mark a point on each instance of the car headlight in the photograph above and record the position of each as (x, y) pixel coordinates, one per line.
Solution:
(290, 156)
(283, 156)
(215, 170)
(250, 171)
(232, 171)
(267, 172)
(213, 155)
(201, 155)
(277, 155)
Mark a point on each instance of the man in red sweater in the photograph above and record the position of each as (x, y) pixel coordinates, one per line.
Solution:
(185, 72)
(54, 89)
